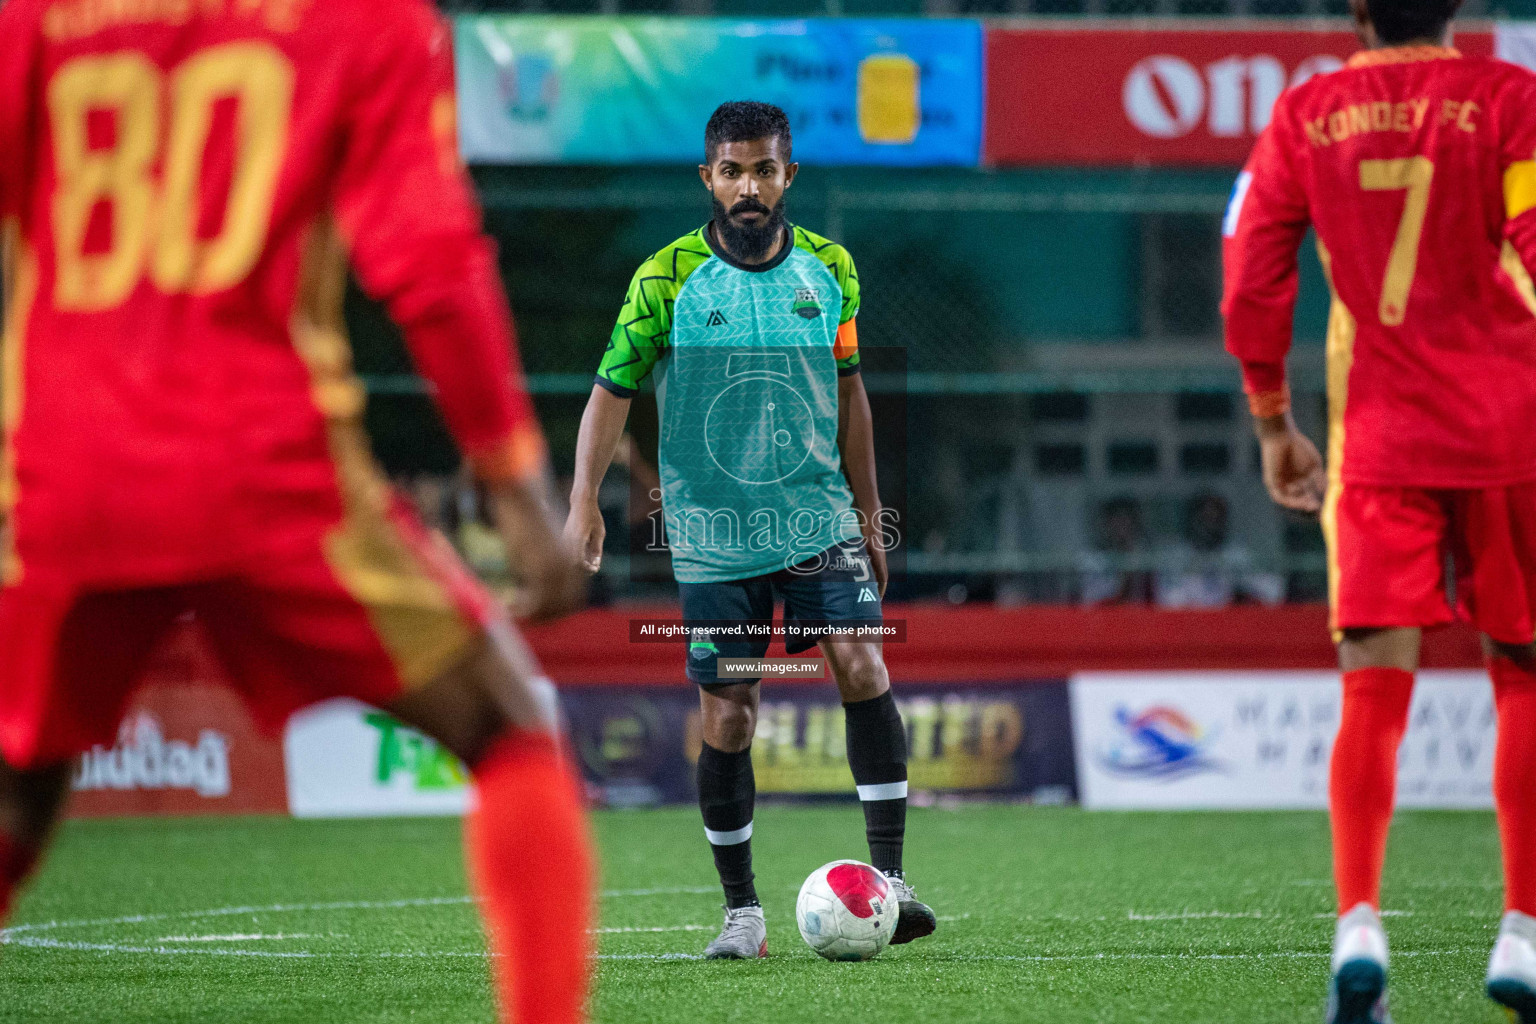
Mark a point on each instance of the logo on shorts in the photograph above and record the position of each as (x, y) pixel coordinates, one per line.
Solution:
(867, 595)
(807, 303)
(700, 649)
(716, 319)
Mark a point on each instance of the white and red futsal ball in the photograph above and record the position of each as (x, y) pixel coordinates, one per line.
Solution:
(846, 911)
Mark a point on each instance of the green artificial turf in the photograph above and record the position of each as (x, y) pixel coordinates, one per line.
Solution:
(1047, 914)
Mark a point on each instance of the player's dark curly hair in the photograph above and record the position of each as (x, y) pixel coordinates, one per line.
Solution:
(743, 121)
(1402, 21)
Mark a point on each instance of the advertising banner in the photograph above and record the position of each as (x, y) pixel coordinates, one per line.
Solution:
(348, 760)
(1515, 41)
(1131, 97)
(1206, 740)
(601, 90)
(639, 745)
(183, 748)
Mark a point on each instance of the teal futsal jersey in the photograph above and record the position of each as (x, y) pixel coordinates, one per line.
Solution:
(746, 361)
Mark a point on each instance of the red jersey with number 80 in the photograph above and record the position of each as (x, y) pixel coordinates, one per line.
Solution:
(1417, 168)
(181, 185)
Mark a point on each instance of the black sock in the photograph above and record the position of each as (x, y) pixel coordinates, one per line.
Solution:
(726, 793)
(877, 753)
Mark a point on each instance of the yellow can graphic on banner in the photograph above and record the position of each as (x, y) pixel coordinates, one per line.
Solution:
(889, 107)
(957, 742)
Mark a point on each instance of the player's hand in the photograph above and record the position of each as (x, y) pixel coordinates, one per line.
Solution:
(550, 580)
(584, 533)
(1293, 469)
(552, 584)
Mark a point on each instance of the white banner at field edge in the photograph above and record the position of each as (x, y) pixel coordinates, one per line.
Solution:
(1237, 740)
(1515, 41)
(348, 760)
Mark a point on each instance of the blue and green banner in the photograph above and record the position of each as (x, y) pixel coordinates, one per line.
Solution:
(572, 90)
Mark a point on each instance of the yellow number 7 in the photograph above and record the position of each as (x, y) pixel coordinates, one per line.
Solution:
(1413, 174)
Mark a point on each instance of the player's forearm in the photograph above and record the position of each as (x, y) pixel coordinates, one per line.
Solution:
(459, 332)
(524, 510)
(1258, 333)
(856, 442)
(1274, 425)
(1269, 396)
(1260, 285)
(602, 424)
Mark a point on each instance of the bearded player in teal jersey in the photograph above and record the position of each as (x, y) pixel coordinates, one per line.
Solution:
(768, 487)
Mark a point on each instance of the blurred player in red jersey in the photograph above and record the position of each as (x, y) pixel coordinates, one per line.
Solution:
(182, 186)
(1417, 168)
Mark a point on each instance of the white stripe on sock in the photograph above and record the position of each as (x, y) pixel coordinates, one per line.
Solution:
(884, 791)
(731, 838)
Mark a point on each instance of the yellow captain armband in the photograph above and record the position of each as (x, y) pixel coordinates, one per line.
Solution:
(1519, 188)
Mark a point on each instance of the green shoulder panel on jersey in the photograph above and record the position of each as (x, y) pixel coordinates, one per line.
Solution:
(837, 260)
(644, 329)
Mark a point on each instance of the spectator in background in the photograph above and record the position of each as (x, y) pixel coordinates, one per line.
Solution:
(1112, 573)
(1208, 570)
(643, 521)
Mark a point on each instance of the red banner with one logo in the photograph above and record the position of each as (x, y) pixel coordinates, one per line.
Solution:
(1122, 97)
(186, 746)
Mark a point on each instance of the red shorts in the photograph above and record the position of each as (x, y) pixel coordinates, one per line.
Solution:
(1389, 549)
(367, 608)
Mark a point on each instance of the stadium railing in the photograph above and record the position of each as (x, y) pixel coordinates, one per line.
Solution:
(1039, 344)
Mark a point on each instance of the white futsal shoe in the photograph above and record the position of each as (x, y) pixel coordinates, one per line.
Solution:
(743, 937)
(1357, 993)
(1512, 968)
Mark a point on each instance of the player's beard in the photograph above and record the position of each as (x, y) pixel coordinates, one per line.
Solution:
(750, 243)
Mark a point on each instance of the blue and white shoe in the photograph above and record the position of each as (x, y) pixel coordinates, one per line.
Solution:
(1512, 968)
(1357, 992)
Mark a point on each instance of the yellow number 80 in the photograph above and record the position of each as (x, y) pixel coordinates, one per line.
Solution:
(154, 226)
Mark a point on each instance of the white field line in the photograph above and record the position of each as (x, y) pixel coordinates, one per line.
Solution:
(1076, 957)
(28, 935)
(245, 937)
(1197, 915)
(1253, 915)
(1164, 917)
(108, 947)
(686, 890)
(6, 934)
(284, 908)
(1485, 884)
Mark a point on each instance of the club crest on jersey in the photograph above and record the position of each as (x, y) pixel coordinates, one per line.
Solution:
(807, 303)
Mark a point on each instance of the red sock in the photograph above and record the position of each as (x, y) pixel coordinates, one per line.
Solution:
(16, 863)
(1514, 780)
(1362, 779)
(530, 861)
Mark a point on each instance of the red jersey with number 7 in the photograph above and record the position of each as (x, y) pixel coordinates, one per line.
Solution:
(182, 183)
(1417, 168)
